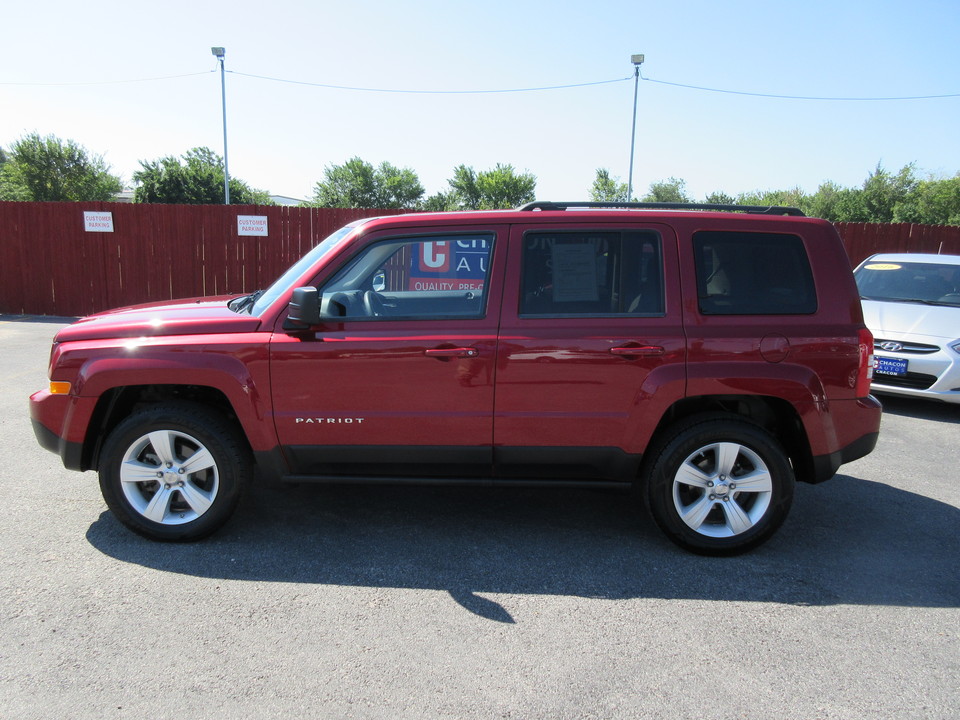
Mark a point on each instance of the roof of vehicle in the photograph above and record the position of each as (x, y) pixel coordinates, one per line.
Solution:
(544, 210)
(914, 257)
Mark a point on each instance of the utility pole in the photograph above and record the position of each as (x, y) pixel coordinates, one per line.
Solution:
(637, 61)
(219, 52)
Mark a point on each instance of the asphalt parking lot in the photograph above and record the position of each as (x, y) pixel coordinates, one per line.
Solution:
(469, 603)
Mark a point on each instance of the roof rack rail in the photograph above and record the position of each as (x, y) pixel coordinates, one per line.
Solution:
(752, 209)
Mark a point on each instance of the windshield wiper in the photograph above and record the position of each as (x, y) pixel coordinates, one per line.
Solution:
(918, 301)
(238, 305)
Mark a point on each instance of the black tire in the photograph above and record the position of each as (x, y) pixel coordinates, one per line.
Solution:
(189, 493)
(720, 486)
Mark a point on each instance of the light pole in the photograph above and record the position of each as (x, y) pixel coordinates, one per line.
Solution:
(219, 52)
(637, 61)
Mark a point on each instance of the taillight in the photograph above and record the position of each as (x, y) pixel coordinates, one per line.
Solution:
(867, 362)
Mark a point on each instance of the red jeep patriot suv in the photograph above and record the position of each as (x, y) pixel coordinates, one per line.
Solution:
(707, 358)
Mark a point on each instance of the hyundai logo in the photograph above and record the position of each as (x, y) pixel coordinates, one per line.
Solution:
(891, 346)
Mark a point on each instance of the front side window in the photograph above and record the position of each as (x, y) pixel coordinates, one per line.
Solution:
(435, 277)
(740, 273)
(599, 274)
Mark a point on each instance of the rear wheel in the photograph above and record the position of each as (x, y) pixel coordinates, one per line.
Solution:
(720, 486)
(174, 472)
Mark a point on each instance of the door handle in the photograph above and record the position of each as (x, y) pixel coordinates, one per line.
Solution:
(637, 350)
(461, 352)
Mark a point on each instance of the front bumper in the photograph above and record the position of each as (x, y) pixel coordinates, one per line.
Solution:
(51, 417)
(931, 375)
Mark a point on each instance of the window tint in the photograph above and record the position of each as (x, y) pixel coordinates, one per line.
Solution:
(592, 273)
(429, 277)
(753, 274)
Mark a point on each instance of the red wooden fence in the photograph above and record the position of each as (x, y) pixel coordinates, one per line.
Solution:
(49, 264)
(863, 239)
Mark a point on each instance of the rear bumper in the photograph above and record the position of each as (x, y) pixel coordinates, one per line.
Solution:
(863, 414)
(826, 466)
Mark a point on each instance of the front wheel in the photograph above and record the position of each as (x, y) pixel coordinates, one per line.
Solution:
(720, 486)
(174, 472)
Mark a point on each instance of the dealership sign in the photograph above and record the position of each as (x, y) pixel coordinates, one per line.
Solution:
(449, 265)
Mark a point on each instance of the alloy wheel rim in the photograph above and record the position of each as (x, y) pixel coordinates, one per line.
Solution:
(722, 490)
(169, 477)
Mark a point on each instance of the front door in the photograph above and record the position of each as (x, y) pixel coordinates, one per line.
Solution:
(399, 380)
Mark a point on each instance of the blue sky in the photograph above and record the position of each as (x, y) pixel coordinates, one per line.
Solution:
(59, 63)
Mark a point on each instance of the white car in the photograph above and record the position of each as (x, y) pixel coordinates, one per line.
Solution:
(911, 303)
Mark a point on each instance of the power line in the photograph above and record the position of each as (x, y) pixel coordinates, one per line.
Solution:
(106, 82)
(801, 97)
(544, 88)
(428, 92)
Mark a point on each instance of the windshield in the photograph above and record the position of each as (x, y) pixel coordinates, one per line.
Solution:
(296, 270)
(930, 283)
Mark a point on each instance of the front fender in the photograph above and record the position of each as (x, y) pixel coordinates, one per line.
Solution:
(235, 365)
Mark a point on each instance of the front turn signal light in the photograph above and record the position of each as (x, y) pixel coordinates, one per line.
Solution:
(59, 388)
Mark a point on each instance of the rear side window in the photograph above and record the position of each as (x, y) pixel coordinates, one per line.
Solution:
(741, 273)
(592, 274)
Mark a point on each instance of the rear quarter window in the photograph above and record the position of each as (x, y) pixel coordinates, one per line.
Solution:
(742, 273)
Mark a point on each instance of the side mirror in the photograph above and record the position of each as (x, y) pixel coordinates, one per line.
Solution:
(304, 309)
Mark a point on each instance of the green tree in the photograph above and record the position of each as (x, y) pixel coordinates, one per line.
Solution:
(883, 197)
(719, 197)
(608, 189)
(358, 184)
(440, 202)
(788, 198)
(932, 202)
(823, 203)
(46, 168)
(501, 187)
(194, 179)
(882, 192)
(11, 185)
(889, 197)
(670, 190)
(850, 206)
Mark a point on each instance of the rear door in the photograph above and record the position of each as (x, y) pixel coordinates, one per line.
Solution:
(399, 381)
(591, 348)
